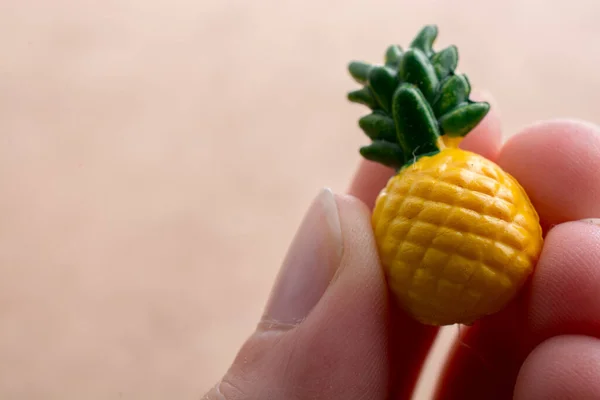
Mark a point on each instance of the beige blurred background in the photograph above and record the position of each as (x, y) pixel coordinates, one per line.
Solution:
(156, 157)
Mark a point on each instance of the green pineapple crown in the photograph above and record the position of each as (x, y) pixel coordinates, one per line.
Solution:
(415, 98)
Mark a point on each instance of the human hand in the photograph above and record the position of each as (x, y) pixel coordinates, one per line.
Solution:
(329, 330)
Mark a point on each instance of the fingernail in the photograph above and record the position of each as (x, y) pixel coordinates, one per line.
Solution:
(310, 265)
(593, 221)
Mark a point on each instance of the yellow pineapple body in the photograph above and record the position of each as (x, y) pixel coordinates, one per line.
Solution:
(457, 237)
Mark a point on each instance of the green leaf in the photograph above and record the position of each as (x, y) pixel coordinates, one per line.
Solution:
(359, 71)
(393, 56)
(383, 83)
(463, 119)
(378, 127)
(388, 154)
(445, 62)
(424, 39)
(454, 92)
(363, 96)
(416, 126)
(416, 68)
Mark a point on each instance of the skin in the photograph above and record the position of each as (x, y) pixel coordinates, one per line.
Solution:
(545, 345)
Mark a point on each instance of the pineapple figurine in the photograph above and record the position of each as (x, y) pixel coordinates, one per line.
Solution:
(457, 236)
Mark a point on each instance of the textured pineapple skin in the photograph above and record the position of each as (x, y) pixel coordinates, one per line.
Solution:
(457, 237)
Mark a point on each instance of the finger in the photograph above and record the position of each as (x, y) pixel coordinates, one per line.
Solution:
(566, 286)
(485, 139)
(493, 349)
(558, 164)
(323, 334)
(564, 367)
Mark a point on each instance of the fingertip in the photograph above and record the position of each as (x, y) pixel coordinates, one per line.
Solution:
(359, 277)
(563, 367)
(352, 203)
(565, 286)
(346, 331)
(324, 326)
(558, 164)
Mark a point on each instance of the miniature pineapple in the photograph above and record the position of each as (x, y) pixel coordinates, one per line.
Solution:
(457, 236)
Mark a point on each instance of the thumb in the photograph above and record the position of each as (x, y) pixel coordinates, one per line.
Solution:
(323, 332)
